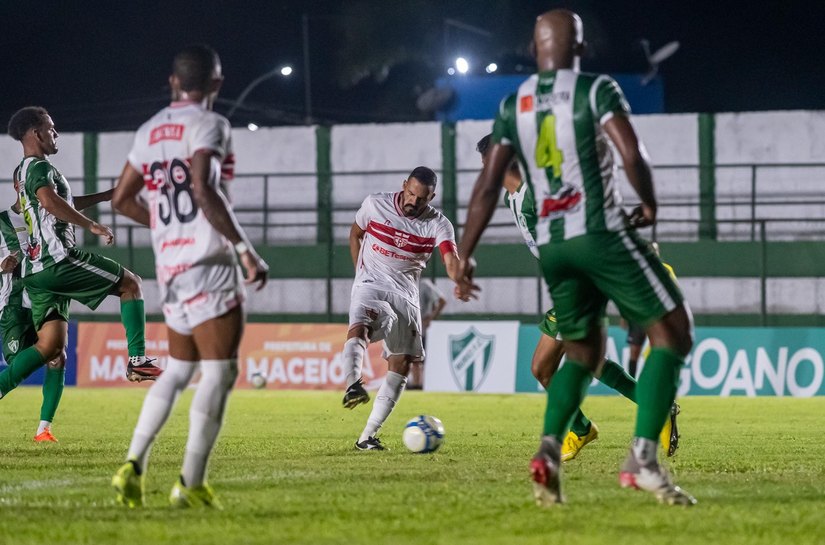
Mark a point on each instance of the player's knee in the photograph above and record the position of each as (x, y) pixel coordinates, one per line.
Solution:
(131, 285)
(60, 361)
(50, 349)
(539, 372)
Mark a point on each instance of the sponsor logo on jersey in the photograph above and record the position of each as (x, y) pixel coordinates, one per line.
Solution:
(526, 104)
(567, 199)
(167, 131)
(471, 354)
(176, 243)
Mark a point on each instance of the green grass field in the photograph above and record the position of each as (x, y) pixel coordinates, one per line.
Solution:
(286, 472)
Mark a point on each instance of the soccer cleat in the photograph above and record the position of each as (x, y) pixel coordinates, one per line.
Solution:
(195, 496)
(573, 443)
(128, 485)
(655, 479)
(355, 395)
(45, 437)
(145, 370)
(669, 438)
(545, 471)
(371, 443)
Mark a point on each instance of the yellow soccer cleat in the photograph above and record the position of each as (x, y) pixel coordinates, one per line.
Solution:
(669, 437)
(128, 485)
(196, 496)
(573, 443)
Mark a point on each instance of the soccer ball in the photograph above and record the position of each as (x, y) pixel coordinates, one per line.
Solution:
(423, 434)
(258, 380)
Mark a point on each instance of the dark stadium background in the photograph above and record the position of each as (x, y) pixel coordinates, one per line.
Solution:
(102, 65)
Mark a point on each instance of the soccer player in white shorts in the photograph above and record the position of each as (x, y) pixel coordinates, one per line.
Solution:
(392, 239)
(181, 155)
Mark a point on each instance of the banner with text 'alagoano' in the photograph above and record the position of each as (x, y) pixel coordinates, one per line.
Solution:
(289, 356)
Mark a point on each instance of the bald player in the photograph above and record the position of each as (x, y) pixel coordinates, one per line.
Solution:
(558, 125)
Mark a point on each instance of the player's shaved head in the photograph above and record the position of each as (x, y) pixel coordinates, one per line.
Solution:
(558, 38)
(196, 67)
(25, 119)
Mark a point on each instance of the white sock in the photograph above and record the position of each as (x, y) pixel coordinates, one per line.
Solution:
(206, 417)
(44, 425)
(645, 450)
(156, 407)
(388, 395)
(353, 356)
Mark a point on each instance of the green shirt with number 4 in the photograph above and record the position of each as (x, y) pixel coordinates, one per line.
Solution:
(554, 123)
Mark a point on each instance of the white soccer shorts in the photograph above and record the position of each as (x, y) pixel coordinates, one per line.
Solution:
(197, 296)
(390, 317)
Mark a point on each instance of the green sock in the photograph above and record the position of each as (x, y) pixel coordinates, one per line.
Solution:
(656, 391)
(564, 395)
(581, 424)
(134, 321)
(27, 362)
(614, 376)
(52, 391)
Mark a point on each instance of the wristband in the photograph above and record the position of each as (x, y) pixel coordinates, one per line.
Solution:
(241, 247)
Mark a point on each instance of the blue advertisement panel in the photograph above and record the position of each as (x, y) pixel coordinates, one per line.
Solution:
(724, 362)
(71, 362)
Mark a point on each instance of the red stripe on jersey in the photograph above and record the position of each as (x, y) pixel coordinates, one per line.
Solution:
(447, 247)
(389, 230)
(399, 241)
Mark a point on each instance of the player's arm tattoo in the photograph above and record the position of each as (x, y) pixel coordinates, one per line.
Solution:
(211, 201)
(356, 237)
(83, 202)
(125, 197)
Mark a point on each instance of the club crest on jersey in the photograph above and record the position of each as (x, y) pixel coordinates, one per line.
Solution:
(33, 251)
(400, 239)
(13, 345)
(471, 354)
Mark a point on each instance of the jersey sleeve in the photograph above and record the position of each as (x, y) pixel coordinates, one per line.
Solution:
(607, 99)
(38, 175)
(504, 127)
(362, 217)
(213, 133)
(445, 237)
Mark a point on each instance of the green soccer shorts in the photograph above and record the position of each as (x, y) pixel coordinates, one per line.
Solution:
(81, 276)
(549, 325)
(584, 272)
(16, 324)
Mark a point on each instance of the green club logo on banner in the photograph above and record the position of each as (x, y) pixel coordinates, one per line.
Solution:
(470, 356)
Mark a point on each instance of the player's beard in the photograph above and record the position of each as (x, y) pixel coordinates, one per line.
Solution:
(409, 210)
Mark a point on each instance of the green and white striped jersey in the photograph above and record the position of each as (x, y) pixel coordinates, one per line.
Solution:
(49, 238)
(554, 123)
(13, 234)
(522, 204)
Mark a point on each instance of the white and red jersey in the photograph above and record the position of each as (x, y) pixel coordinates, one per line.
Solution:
(182, 237)
(396, 248)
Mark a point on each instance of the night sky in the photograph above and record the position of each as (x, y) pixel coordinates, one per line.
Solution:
(103, 65)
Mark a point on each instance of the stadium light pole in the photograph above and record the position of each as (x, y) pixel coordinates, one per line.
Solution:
(283, 71)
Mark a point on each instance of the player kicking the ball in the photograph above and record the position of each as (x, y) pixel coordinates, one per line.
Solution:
(392, 239)
(180, 155)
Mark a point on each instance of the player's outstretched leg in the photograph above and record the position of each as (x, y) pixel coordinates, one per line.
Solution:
(205, 421)
(353, 358)
(133, 317)
(385, 400)
(128, 481)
